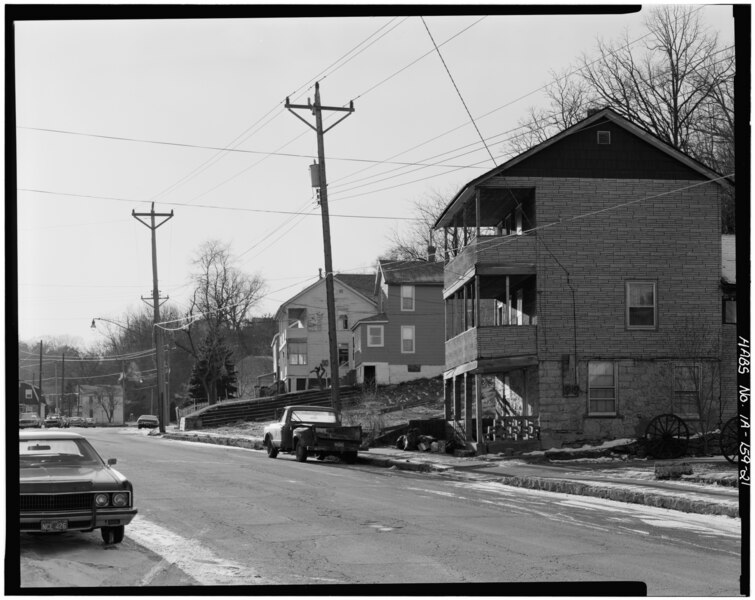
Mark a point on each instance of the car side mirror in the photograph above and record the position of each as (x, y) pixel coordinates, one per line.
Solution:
(112, 461)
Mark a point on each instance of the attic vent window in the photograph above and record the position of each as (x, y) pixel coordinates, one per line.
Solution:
(604, 137)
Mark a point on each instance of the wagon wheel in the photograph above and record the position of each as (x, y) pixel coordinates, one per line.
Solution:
(667, 436)
(729, 440)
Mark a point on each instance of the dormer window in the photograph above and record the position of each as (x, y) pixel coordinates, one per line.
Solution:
(604, 138)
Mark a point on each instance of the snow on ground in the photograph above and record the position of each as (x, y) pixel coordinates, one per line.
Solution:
(658, 517)
(190, 556)
(603, 446)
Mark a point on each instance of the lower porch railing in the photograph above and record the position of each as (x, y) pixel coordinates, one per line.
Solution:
(514, 428)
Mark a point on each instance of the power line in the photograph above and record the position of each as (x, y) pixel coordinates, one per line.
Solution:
(456, 87)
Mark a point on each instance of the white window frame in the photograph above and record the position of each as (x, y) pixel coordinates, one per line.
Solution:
(413, 339)
(411, 289)
(299, 355)
(627, 297)
(615, 388)
(343, 319)
(369, 336)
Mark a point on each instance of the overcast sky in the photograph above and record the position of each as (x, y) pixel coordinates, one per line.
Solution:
(114, 115)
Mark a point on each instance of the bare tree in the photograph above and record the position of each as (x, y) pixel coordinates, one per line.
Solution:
(677, 81)
(412, 242)
(668, 86)
(109, 402)
(569, 99)
(220, 305)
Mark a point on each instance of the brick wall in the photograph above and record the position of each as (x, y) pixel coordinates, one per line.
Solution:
(673, 239)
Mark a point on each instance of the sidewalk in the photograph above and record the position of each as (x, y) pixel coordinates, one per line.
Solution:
(710, 489)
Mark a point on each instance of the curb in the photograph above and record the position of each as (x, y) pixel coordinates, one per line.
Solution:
(620, 494)
(576, 488)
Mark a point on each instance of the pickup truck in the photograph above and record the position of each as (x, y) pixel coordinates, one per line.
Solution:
(312, 430)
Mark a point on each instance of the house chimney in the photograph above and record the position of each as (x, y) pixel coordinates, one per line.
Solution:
(320, 270)
(592, 110)
(431, 254)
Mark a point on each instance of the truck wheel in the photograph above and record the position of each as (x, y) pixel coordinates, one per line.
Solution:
(301, 452)
(349, 457)
(272, 451)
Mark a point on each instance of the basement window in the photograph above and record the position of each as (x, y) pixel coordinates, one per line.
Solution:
(604, 138)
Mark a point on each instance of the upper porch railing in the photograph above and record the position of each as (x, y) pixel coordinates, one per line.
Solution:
(515, 251)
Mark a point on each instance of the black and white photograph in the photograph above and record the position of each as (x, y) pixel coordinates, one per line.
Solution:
(378, 299)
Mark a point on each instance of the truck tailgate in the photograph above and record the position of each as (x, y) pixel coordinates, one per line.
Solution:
(345, 433)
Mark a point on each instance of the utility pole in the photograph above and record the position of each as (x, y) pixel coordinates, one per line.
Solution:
(163, 403)
(63, 384)
(317, 109)
(42, 411)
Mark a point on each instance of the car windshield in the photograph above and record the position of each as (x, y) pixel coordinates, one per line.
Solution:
(52, 451)
(28, 416)
(313, 416)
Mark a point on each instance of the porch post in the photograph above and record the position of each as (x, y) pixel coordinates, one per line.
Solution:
(457, 398)
(448, 398)
(478, 412)
(469, 393)
(477, 212)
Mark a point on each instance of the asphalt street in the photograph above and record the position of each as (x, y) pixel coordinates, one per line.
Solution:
(230, 516)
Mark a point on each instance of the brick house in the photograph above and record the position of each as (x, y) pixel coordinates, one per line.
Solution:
(582, 287)
(302, 341)
(403, 341)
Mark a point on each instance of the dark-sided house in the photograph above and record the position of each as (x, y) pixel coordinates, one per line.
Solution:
(582, 288)
(404, 340)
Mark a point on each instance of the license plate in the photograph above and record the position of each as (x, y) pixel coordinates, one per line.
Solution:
(339, 444)
(54, 525)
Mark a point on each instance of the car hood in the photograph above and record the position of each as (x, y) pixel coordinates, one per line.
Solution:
(68, 478)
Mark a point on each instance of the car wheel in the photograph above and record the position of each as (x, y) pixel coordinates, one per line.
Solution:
(113, 535)
(272, 451)
(301, 452)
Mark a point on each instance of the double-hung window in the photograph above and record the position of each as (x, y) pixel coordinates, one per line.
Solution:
(374, 336)
(642, 305)
(407, 339)
(686, 389)
(297, 353)
(407, 297)
(602, 388)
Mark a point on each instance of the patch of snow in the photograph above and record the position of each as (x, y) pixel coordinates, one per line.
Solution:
(190, 556)
(717, 524)
(604, 445)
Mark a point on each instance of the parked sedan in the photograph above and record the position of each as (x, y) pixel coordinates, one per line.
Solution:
(148, 421)
(53, 421)
(77, 422)
(66, 486)
(29, 420)
(89, 422)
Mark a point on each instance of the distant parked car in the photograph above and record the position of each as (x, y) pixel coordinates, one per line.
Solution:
(53, 421)
(89, 422)
(66, 486)
(29, 420)
(148, 421)
(77, 422)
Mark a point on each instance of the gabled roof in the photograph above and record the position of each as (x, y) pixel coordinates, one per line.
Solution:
(361, 283)
(364, 288)
(379, 318)
(414, 272)
(601, 115)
